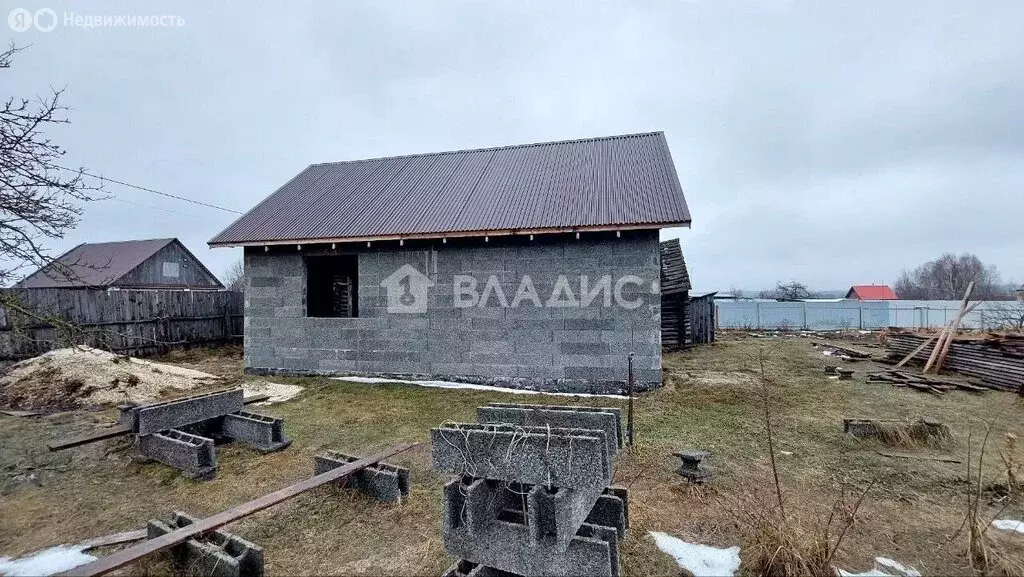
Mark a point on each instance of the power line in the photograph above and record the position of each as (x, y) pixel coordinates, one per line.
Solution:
(146, 189)
(119, 199)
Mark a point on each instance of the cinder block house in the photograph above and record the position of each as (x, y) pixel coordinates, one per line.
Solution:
(534, 266)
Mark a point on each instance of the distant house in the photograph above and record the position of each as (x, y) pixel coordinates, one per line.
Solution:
(873, 292)
(162, 263)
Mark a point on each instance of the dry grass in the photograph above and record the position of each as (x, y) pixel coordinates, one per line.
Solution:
(711, 401)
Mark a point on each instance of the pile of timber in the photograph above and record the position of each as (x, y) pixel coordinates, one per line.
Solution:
(997, 360)
(921, 382)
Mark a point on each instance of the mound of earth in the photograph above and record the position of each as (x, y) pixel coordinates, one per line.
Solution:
(82, 376)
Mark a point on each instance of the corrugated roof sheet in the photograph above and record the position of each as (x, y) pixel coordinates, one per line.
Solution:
(626, 180)
(94, 264)
(866, 292)
(674, 276)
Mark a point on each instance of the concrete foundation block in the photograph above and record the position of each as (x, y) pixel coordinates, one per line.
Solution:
(266, 434)
(552, 514)
(612, 510)
(218, 553)
(567, 458)
(382, 481)
(504, 543)
(607, 419)
(463, 568)
(155, 417)
(192, 454)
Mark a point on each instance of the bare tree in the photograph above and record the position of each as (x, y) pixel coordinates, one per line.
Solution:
(792, 290)
(947, 277)
(234, 275)
(38, 200)
(1007, 315)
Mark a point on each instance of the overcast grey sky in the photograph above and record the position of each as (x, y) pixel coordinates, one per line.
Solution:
(830, 142)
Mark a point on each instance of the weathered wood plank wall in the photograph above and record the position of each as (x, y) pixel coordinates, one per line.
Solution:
(133, 322)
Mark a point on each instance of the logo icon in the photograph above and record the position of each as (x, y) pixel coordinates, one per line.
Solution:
(407, 290)
(46, 19)
(20, 19)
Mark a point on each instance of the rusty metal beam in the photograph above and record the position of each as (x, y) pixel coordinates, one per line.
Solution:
(122, 558)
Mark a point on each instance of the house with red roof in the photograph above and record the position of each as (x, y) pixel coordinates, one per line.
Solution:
(871, 292)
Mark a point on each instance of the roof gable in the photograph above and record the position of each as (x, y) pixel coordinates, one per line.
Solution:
(627, 180)
(872, 293)
(94, 264)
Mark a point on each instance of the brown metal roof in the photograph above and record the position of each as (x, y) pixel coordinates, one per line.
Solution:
(98, 265)
(624, 181)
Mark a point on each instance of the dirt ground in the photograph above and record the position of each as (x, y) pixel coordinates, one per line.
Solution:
(711, 400)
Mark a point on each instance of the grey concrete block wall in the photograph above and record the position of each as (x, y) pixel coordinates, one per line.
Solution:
(550, 347)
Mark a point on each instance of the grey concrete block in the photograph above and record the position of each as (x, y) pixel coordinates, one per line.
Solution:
(499, 538)
(608, 419)
(192, 454)
(266, 434)
(569, 348)
(217, 553)
(382, 481)
(612, 510)
(464, 568)
(576, 459)
(155, 417)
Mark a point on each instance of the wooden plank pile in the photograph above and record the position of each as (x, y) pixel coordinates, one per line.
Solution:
(922, 383)
(997, 360)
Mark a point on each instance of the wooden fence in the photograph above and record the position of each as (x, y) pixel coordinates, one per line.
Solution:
(702, 319)
(132, 322)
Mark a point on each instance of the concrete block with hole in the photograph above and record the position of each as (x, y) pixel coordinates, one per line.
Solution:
(552, 514)
(607, 420)
(464, 568)
(264, 433)
(382, 481)
(612, 510)
(497, 534)
(156, 417)
(567, 458)
(217, 553)
(192, 454)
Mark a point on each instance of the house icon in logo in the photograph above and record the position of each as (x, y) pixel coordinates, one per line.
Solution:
(407, 290)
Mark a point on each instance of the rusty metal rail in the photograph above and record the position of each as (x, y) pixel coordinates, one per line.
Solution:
(122, 558)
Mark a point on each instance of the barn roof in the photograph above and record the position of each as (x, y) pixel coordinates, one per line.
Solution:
(98, 264)
(674, 276)
(614, 182)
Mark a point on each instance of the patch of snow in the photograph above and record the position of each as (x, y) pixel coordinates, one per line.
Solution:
(1009, 525)
(472, 386)
(46, 562)
(786, 453)
(827, 352)
(701, 560)
(278, 392)
(884, 567)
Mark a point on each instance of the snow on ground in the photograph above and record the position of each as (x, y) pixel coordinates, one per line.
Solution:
(884, 567)
(1009, 525)
(278, 392)
(473, 386)
(46, 562)
(701, 560)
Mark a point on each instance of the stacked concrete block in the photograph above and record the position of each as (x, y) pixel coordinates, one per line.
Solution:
(217, 554)
(575, 343)
(383, 481)
(192, 454)
(182, 433)
(530, 492)
(265, 434)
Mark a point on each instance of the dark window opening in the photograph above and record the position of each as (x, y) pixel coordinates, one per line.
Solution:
(332, 286)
